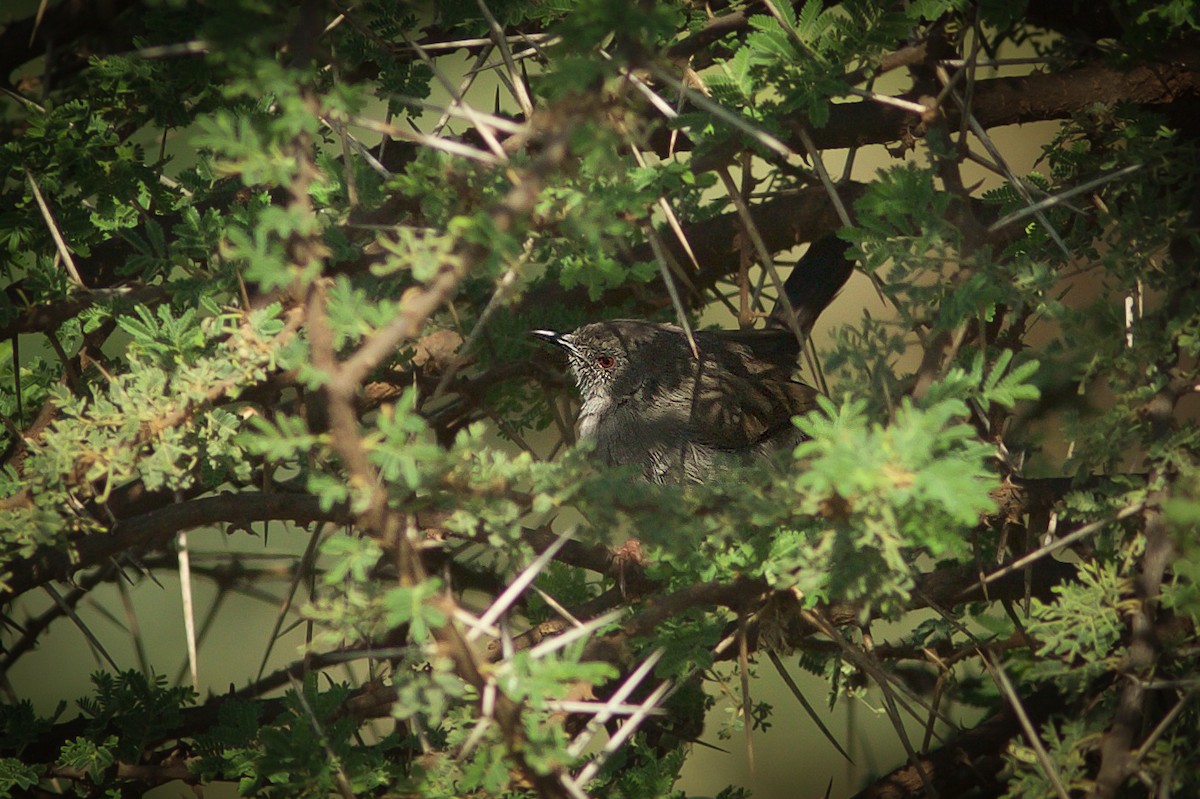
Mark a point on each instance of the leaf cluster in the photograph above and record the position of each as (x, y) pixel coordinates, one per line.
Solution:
(261, 274)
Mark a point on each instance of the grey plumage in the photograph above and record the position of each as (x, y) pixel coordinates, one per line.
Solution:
(649, 402)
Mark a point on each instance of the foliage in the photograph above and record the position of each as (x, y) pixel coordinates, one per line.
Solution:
(259, 269)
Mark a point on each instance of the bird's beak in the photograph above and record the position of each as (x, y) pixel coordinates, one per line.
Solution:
(564, 340)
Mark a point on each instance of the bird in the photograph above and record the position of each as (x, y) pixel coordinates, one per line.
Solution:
(677, 416)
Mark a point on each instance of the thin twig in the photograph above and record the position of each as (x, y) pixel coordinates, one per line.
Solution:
(468, 80)
(596, 723)
(804, 703)
(134, 628)
(574, 634)
(70, 613)
(764, 254)
(972, 62)
(1055, 199)
(1018, 185)
(889, 704)
(996, 62)
(873, 669)
(343, 782)
(497, 122)
(446, 145)
(471, 620)
(59, 243)
(598, 708)
(485, 131)
(1159, 729)
(819, 164)
(510, 594)
(725, 115)
(487, 708)
(348, 139)
(558, 607)
(70, 373)
(465, 44)
(744, 669)
(669, 212)
(189, 608)
(194, 47)
(504, 288)
(627, 729)
(210, 618)
(1053, 546)
(419, 305)
(884, 99)
(1002, 682)
(519, 91)
(661, 258)
(306, 562)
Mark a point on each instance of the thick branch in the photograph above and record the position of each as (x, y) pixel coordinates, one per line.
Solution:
(46, 317)
(1116, 757)
(156, 528)
(1003, 101)
(968, 764)
(63, 23)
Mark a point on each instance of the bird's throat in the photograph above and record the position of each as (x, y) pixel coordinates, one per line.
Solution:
(591, 413)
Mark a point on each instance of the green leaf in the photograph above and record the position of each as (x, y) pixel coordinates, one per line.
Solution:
(351, 558)
(16, 778)
(414, 607)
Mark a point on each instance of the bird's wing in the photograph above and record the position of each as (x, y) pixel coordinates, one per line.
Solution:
(734, 412)
(776, 348)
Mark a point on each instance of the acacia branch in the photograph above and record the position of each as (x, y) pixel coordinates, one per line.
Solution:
(1036, 97)
(343, 381)
(372, 700)
(29, 38)
(947, 588)
(805, 215)
(1116, 750)
(46, 317)
(418, 306)
(157, 527)
(971, 761)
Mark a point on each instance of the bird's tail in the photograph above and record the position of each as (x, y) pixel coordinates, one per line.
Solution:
(814, 282)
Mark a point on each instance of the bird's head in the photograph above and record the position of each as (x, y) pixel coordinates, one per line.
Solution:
(607, 358)
(597, 358)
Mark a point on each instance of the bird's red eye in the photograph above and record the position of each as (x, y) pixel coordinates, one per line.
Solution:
(605, 361)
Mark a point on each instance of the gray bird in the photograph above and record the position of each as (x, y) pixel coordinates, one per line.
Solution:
(649, 402)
